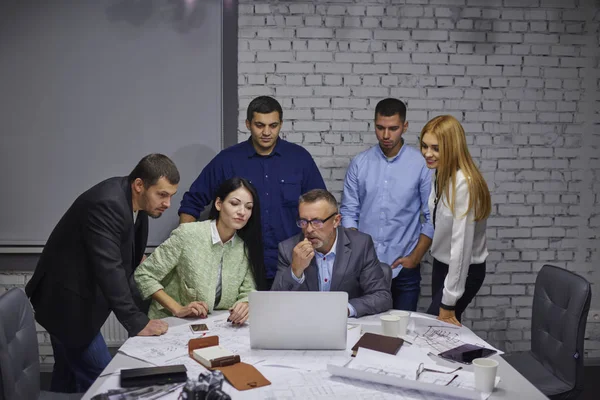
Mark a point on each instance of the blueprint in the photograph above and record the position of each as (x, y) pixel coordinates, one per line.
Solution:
(438, 336)
(410, 374)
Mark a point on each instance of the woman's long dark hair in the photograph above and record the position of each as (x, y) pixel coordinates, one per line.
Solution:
(251, 233)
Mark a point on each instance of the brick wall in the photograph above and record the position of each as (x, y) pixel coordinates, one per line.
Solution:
(521, 75)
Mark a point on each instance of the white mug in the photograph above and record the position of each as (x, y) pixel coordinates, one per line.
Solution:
(390, 325)
(485, 374)
(404, 320)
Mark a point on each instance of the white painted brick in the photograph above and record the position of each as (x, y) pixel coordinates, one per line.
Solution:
(391, 35)
(293, 91)
(295, 21)
(294, 68)
(519, 27)
(458, 36)
(348, 103)
(333, 68)
(443, 81)
(572, 39)
(353, 33)
(255, 91)
(424, 58)
(501, 26)
(401, 58)
(10, 279)
(411, 69)
(467, 59)
(301, 9)
(373, 10)
(256, 79)
(332, 91)
(505, 37)
(256, 68)
(314, 33)
(364, 91)
(504, 60)
(298, 114)
(269, 33)
(333, 22)
(448, 2)
(370, 68)
(353, 58)
(427, 23)
(407, 93)
(314, 80)
(389, 81)
(448, 93)
(312, 102)
(349, 126)
(276, 56)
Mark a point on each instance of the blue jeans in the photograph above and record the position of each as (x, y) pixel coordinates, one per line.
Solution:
(76, 369)
(406, 288)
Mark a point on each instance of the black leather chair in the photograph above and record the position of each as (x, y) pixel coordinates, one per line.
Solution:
(19, 354)
(561, 302)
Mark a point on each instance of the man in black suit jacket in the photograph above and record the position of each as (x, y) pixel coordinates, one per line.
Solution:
(86, 270)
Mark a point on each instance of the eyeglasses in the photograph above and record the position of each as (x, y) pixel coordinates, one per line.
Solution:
(316, 223)
(444, 381)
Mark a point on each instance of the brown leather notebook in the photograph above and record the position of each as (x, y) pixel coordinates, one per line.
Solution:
(373, 341)
(240, 375)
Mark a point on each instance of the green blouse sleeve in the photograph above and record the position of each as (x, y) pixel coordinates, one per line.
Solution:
(149, 275)
(247, 286)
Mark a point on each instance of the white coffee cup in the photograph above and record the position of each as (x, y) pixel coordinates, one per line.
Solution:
(485, 374)
(390, 325)
(404, 320)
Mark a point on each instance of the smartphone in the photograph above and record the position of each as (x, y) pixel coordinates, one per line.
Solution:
(198, 328)
(466, 353)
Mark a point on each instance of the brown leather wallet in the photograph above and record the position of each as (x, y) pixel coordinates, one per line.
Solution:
(240, 375)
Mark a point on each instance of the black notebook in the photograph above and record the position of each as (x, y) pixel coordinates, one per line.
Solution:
(138, 377)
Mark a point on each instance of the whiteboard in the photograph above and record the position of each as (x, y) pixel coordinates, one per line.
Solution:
(88, 87)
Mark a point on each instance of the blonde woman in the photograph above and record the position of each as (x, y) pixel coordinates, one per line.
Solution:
(460, 204)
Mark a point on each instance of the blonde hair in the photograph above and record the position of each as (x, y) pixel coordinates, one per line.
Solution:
(454, 155)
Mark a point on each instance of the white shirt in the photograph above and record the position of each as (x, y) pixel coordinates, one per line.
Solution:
(216, 239)
(458, 240)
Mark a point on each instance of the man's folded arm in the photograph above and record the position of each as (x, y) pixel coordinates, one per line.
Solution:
(376, 297)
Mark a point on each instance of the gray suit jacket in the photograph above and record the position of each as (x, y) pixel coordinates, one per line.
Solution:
(356, 270)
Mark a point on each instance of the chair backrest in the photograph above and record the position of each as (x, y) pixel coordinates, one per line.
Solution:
(561, 302)
(19, 355)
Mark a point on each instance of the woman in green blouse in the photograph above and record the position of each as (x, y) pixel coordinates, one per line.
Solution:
(208, 265)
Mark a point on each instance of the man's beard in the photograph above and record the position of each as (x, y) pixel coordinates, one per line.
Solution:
(156, 214)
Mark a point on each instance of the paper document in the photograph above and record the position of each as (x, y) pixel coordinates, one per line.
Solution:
(439, 336)
(376, 367)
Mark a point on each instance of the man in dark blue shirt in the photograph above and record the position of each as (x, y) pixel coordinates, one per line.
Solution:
(279, 170)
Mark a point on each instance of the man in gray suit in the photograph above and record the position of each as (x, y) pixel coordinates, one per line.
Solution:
(328, 257)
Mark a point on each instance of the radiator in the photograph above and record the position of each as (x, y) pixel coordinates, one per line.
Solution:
(114, 333)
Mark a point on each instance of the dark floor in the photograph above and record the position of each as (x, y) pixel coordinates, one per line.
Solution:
(592, 383)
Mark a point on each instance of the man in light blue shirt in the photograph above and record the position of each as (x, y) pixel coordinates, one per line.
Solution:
(385, 193)
(329, 257)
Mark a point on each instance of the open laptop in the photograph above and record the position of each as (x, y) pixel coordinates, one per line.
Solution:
(298, 320)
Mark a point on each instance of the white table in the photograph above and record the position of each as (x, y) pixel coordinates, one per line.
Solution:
(315, 384)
